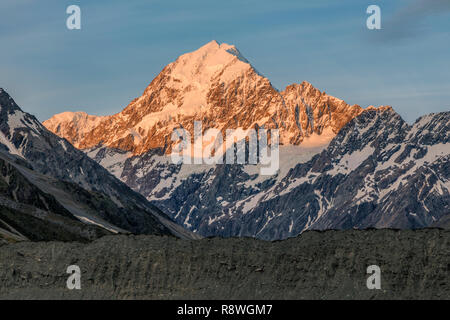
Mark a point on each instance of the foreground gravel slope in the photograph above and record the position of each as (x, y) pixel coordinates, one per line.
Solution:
(315, 265)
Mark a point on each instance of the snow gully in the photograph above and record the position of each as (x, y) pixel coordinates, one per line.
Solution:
(209, 147)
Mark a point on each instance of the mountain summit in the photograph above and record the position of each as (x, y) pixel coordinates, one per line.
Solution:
(217, 85)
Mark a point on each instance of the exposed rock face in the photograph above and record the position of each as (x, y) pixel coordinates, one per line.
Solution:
(314, 111)
(315, 265)
(84, 188)
(218, 86)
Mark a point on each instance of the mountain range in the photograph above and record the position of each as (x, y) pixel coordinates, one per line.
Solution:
(341, 166)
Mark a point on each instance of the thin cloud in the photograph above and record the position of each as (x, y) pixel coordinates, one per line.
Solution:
(408, 21)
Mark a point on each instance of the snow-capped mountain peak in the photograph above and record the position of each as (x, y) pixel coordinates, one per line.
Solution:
(210, 61)
(73, 124)
(218, 85)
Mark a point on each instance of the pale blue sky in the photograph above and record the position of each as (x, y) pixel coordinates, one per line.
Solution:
(124, 44)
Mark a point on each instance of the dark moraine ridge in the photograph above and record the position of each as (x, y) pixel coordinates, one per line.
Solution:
(315, 265)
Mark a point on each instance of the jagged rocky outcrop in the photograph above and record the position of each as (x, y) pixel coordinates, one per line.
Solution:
(315, 265)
